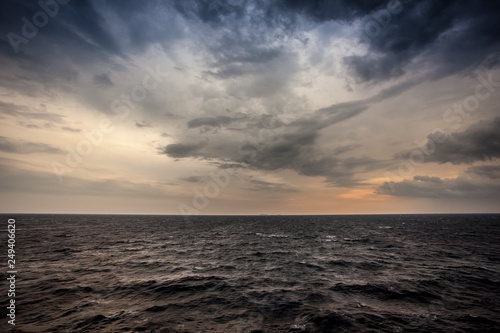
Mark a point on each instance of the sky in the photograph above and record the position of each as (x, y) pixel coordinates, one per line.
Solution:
(249, 107)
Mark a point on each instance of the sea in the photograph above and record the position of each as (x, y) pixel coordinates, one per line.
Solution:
(347, 273)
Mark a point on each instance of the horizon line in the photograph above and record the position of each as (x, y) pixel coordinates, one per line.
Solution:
(263, 214)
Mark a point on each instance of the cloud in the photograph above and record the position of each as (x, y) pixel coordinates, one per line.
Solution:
(428, 33)
(321, 11)
(365, 68)
(21, 180)
(71, 129)
(247, 47)
(486, 171)
(142, 124)
(210, 121)
(91, 37)
(291, 144)
(290, 147)
(77, 23)
(248, 38)
(250, 67)
(212, 12)
(252, 50)
(231, 166)
(259, 185)
(180, 150)
(191, 179)
(436, 180)
(477, 182)
(480, 142)
(24, 147)
(240, 38)
(20, 111)
(238, 57)
(254, 57)
(275, 13)
(446, 37)
(103, 80)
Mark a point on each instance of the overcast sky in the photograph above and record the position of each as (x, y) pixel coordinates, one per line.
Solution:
(249, 107)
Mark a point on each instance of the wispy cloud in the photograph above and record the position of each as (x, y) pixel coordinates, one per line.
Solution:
(477, 182)
(260, 185)
(21, 111)
(25, 147)
(480, 142)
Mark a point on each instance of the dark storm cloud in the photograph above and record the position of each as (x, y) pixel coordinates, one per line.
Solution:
(83, 33)
(480, 142)
(82, 37)
(25, 147)
(276, 12)
(291, 147)
(446, 36)
(294, 145)
(231, 166)
(210, 11)
(210, 121)
(249, 41)
(428, 179)
(486, 171)
(330, 10)
(180, 150)
(449, 36)
(366, 68)
(297, 149)
(77, 26)
(476, 182)
(51, 61)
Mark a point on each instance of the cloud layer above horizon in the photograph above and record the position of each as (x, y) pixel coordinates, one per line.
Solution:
(307, 106)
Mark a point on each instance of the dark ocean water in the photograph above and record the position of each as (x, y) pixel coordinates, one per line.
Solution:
(394, 273)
